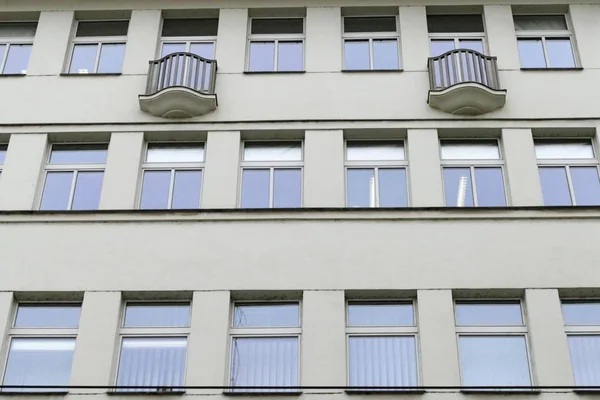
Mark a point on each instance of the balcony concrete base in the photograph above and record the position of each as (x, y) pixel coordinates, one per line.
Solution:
(178, 102)
(468, 98)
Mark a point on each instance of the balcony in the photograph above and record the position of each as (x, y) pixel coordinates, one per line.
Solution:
(464, 82)
(180, 85)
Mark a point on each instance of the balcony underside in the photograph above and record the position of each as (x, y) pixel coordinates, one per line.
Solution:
(468, 98)
(178, 102)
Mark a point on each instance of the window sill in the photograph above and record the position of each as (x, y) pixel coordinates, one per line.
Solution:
(272, 72)
(553, 69)
(98, 74)
(33, 392)
(501, 391)
(144, 392)
(385, 391)
(260, 393)
(372, 70)
(11, 75)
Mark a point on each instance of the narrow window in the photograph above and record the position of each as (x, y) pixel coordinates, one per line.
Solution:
(16, 41)
(582, 324)
(98, 47)
(3, 149)
(371, 43)
(276, 44)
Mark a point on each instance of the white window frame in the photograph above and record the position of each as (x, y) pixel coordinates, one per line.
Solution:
(458, 36)
(567, 163)
(171, 166)
(370, 36)
(476, 163)
(98, 40)
(276, 38)
(8, 41)
(272, 166)
(544, 34)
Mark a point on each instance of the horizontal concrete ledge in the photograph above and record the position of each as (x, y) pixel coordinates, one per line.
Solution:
(261, 393)
(502, 392)
(386, 391)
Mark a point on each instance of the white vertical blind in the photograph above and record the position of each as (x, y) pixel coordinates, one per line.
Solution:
(382, 361)
(585, 358)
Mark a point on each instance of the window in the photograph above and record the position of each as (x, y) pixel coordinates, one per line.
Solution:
(568, 172)
(74, 175)
(153, 346)
(172, 176)
(276, 44)
(492, 344)
(265, 337)
(371, 43)
(473, 174)
(582, 323)
(3, 149)
(42, 341)
(272, 175)
(545, 41)
(376, 174)
(98, 47)
(16, 41)
(382, 349)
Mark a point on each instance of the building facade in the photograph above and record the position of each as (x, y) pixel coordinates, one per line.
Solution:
(321, 198)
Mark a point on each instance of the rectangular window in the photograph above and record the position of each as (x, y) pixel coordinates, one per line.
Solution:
(371, 43)
(582, 324)
(376, 174)
(272, 175)
(16, 41)
(3, 149)
(276, 44)
(492, 343)
(545, 41)
(73, 177)
(172, 176)
(568, 172)
(98, 47)
(153, 347)
(265, 337)
(42, 341)
(382, 350)
(473, 173)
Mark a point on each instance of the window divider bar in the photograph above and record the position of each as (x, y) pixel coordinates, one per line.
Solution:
(382, 330)
(491, 330)
(271, 332)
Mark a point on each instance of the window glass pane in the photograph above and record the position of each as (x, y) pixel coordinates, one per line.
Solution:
(554, 186)
(102, 28)
(111, 58)
(262, 56)
(2, 154)
(39, 361)
(531, 53)
(580, 313)
(454, 23)
(170, 48)
(479, 150)
(439, 47)
(586, 186)
(17, 29)
(540, 22)
(458, 187)
(57, 191)
(275, 357)
(87, 190)
(382, 361)
(266, 315)
(356, 55)
(152, 362)
(17, 59)
(385, 54)
(155, 190)
(287, 188)
(490, 187)
(369, 24)
(374, 151)
(84, 59)
(380, 314)
(563, 149)
(277, 25)
(560, 53)
(488, 314)
(255, 188)
(470, 44)
(175, 153)
(145, 315)
(78, 154)
(190, 27)
(206, 50)
(392, 187)
(47, 316)
(290, 57)
(360, 187)
(494, 361)
(186, 189)
(2, 50)
(585, 359)
(272, 151)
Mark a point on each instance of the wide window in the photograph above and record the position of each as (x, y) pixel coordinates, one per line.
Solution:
(376, 174)
(98, 47)
(545, 41)
(473, 175)
(381, 344)
(276, 44)
(371, 43)
(16, 41)
(582, 324)
(568, 172)
(492, 344)
(73, 177)
(265, 337)
(42, 341)
(272, 175)
(153, 346)
(172, 176)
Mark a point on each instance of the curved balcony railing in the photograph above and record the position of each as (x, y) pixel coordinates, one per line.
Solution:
(182, 69)
(462, 66)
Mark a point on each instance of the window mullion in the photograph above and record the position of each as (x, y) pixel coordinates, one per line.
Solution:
(4, 58)
(544, 48)
(376, 188)
(371, 55)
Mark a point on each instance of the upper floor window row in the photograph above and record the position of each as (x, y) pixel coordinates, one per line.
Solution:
(98, 47)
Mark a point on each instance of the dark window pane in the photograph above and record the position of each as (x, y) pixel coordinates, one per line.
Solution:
(17, 59)
(490, 187)
(554, 186)
(289, 57)
(47, 316)
(369, 24)
(186, 189)
(102, 28)
(87, 190)
(360, 187)
(356, 55)
(586, 186)
(458, 188)
(190, 27)
(255, 188)
(57, 191)
(84, 59)
(111, 58)
(531, 53)
(380, 314)
(560, 53)
(266, 315)
(454, 23)
(18, 29)
(146, 315)
(392, 187)
(385, 54)
(262, 56)
(277, 25)
(78, 154)
(540, 22)
(155, 190)
(287, 188)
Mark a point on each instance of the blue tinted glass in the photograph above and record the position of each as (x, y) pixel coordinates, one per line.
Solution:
(531, 53)
(75, 154)
(554, 186)
(490, 187)
(289, 56)
(2, 155)
(111, 58)
(262, 56)
(169, 48)
(57, 191)
(155, 190)
(381, 314)
(586, 185)
(356, 55)
(360, 188)
(157, 315)
(581, 313)
(17, 59)
(287, 188)
(458, 188)
(87, 190)
(560, 53)
(263, 315)
(84, 58)
(392, 187)
(488, 314)
(255, 188)
(47, 316)
(385, 54)
(186, 189)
